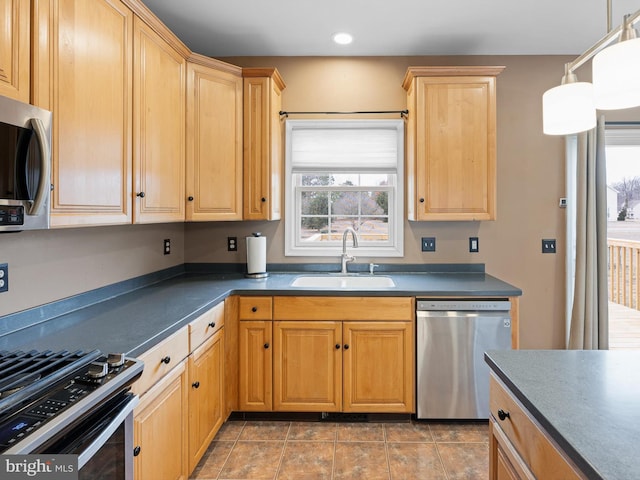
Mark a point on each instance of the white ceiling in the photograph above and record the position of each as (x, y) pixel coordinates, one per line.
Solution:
(221, 28)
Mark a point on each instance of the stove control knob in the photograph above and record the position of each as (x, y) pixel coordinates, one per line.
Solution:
(97, 370)
(115, 360)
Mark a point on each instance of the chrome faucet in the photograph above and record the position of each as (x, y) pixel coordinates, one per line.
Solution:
(345, 257)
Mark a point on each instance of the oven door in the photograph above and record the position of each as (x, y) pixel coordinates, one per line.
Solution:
(103, 441)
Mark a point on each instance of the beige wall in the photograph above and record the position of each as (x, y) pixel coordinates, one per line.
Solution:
(48, 265)
(530, 178)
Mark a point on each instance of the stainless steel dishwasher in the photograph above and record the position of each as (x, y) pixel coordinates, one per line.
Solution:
(452, 336)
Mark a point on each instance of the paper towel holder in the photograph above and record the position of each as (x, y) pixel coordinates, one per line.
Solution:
(263, 274)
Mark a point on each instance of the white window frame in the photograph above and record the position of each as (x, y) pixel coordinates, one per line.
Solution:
(395, 247)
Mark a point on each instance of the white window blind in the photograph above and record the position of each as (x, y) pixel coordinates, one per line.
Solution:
(373, 148)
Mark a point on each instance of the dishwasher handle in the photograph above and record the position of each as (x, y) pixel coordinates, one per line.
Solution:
(453, 305)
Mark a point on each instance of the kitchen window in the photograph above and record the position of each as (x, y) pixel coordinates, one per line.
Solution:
(341, 174)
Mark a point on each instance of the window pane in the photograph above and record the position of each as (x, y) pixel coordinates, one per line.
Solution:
(314, 203)
(360, 203)
(318, 180)
(374, 229)
(376, 179)
(312, 229)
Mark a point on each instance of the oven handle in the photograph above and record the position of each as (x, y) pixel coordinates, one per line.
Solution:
(90, 451)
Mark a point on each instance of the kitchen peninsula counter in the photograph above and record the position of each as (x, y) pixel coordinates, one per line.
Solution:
(588, 402)
(134, 321)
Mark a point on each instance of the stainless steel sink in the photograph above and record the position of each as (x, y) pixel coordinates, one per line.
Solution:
(344, 282)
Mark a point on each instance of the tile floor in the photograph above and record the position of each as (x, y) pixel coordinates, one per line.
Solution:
(333, 451)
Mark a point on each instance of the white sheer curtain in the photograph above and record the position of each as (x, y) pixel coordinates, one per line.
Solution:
(589, 326)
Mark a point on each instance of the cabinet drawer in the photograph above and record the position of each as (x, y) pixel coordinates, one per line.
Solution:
(533, 445)
(161, 359)
(343, 308)
(205, 326)
(255, 308)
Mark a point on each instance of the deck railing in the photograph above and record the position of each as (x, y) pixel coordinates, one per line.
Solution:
(624, 272)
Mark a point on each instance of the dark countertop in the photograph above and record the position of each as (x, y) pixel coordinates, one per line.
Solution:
(132, 322)
(588, 401)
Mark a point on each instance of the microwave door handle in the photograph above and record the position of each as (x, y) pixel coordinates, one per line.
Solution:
(44, 186)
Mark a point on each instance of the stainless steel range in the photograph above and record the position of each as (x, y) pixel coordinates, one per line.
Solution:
(70, 403)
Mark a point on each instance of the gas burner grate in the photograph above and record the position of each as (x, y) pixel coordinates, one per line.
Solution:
(26, 374)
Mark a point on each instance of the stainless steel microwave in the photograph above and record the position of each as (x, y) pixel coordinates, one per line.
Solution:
(25, 166)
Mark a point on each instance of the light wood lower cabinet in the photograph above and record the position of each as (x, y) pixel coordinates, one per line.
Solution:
(255, 365)
(206, 389)
(181, 399)
(519, 448)
(307, 366)
(160, 429)
(378, 366)
(320, 354)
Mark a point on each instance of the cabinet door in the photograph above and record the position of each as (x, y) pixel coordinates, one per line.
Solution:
(160, 429)
(82, 72)
(262, 144)
(504, 460)
(307, 366)
(456, 156)
(14, 49)
(206, 380)
(214, 144)
(159, 128)
(255, 366)
(378, 366)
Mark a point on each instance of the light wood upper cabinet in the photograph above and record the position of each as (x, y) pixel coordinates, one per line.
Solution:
(451, 143)
(159, 97)
(214, 140)
(263, 139)
(82, 72)
(15, 18)
(307, 366)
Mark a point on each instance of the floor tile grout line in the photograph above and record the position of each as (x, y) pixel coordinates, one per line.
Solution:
(235, 442)
(444, 469)
(284, 447)
(335, 448)
(386, 451)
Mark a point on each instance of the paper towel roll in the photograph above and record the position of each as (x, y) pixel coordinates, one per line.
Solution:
(256, 255)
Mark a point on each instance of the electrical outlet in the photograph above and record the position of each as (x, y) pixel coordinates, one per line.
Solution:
(167, 246)
(549, 245)
(428, 244)
(474, 244)
(232, 244)
(4, 277)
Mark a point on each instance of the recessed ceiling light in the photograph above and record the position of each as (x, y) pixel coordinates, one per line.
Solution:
(342, 38)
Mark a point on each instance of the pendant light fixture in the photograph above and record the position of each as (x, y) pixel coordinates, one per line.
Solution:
(568, 108)
(571, 107)
(616, 72)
